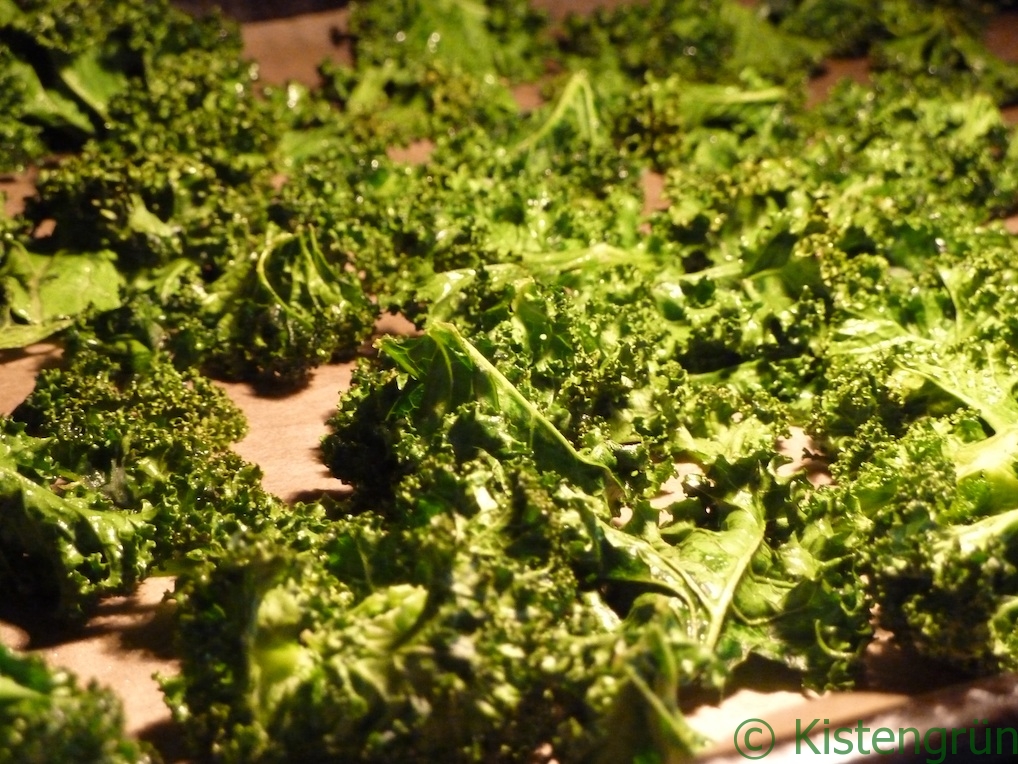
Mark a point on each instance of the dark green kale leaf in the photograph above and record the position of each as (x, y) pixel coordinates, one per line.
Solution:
(202, 105)
(21, 142)
(43, 293)
(118, 464)
(700, 41)
(270, 316)
(907, 343)
(284, 310)
(151, 209)
(63, 544)
(73, 58)
(438, 387)
(674, 122)
(513, 609)
(935, 45)
(918, 412)
(47, 714)
(938, 505)
(392, 105)
(687, 38)
(727, 577)
(939, 45)
(894, 148)
(842, 27)
(483, 37)
(483, 650)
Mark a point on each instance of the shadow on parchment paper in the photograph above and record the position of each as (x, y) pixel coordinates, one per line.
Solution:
(166, 737)
(139, 626)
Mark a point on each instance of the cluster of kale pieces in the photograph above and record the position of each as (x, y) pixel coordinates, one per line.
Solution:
(519, 570)
(47, 715)
(111, 471)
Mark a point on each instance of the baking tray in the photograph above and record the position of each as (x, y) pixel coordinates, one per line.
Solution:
(130, 638)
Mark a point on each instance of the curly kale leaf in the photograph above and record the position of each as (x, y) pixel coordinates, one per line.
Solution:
(921, 343)
(950, 590)
(47, 714)
(919, 405)
(432, 382)
(270, 316)
(285, 310)
(697, 40)
(394, 105)
(940, 556)
(473, 642)
(939, 44)
(21, 141)
(555, 182)
(151, 209)
(102, 409)
(674, 122)
(63, 542)
(509, 611)
(75, 59)
(43, 293)
(126, 468)
(484, 37)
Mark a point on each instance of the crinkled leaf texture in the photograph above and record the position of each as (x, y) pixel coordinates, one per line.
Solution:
(43, 294)
(449, 371)
(69, 549)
